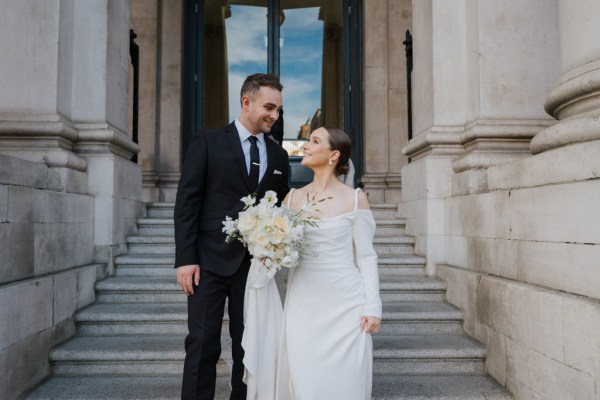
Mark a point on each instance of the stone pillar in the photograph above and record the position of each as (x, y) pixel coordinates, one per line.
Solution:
(385, 104)
(169, 98)
(508, 43)
(575, 102)
(36, 98)
(439, 117)
(144, 21)
(477, 90)
(99, 110)
(62, 93)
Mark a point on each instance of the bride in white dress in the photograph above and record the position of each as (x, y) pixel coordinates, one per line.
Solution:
(332, 305)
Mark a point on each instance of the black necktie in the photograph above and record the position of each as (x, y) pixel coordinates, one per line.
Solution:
(254, 162)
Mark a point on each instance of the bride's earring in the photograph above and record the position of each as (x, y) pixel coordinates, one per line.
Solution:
(330, 162)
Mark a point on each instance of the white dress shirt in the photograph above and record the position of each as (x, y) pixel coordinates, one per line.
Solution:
(262, 148)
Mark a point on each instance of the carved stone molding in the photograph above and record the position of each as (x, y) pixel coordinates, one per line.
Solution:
(492, 142)
(46, 138)
(440, 140)
(104, 138)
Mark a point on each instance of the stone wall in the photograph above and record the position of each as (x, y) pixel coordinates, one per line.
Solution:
(522, 263)
(69, 194)
(503, 199)
(47, 270)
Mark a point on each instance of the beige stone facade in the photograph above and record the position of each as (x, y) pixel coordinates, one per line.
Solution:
(500, 195)
(499, 186)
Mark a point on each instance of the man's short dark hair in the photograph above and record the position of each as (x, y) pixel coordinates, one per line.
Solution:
(254, 82)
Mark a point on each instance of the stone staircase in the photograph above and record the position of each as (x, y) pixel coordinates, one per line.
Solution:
(129, 344)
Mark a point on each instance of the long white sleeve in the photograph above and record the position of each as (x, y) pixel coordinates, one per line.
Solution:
(366, 260)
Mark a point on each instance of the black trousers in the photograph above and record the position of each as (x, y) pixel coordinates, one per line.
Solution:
(203, 343)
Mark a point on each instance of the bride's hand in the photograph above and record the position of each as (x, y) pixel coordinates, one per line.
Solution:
(370, 324)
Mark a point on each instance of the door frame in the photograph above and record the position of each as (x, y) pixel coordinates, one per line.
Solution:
(192, 93)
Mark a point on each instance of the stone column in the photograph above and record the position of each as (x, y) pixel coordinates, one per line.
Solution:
(36, 99)
(144, 21)
(508, 44)
(99, 110)
(385, 122)
(575, 102)
(477, 91)
(439, 117)
(169, 98)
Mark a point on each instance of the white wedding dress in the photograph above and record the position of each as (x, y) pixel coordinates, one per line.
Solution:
(323, 354)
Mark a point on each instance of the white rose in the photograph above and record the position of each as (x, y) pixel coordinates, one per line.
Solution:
(281, 223)
(247, 222)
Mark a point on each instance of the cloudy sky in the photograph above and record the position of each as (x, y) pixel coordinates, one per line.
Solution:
(301, 55)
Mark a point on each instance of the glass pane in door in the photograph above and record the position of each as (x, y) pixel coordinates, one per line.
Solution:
(235, 46)
(311, 65)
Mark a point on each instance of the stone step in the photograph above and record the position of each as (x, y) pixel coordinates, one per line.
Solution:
(158, 355)
(394, 245)
(149, 270)
(134, 319)
(395, 288)
(165, 210)
(421, 318)
(400, 264)
(427, 354)
(156, 248)
(384, 246)
(156, 227)
(139, 289)
(151, 245)
(150, 240)
(386, 228)
(118, 387)
(156, 230)
(437, 387)
(140, 355)
(145, 259)
(160, 210)
(385, 387)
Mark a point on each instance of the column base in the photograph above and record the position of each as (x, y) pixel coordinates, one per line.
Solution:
(383, 188)
(576, 104)
(150, 190)
(167, 184)
(492, 142)
(46, 139)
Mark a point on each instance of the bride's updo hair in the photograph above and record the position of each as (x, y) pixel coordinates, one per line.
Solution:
(340, 141)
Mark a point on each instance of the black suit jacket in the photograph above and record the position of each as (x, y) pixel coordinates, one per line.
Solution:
(213, 179)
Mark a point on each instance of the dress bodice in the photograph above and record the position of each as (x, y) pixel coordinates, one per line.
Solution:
(331, 240)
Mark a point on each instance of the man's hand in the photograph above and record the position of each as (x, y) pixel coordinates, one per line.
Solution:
(187, 277)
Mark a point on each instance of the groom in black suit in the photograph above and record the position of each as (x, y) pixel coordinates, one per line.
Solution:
(222, 166)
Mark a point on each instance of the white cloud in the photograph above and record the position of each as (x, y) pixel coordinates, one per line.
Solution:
(302, 18)
(246, 30)
(301, 98)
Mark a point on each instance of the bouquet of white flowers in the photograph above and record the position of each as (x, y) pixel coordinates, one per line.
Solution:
(273, 235)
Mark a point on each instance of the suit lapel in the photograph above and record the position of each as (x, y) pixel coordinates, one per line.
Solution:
(233, 139)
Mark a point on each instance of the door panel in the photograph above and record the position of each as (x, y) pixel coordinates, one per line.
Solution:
(307, 43)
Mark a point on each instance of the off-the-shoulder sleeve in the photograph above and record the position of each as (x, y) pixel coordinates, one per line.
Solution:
(366, 260)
